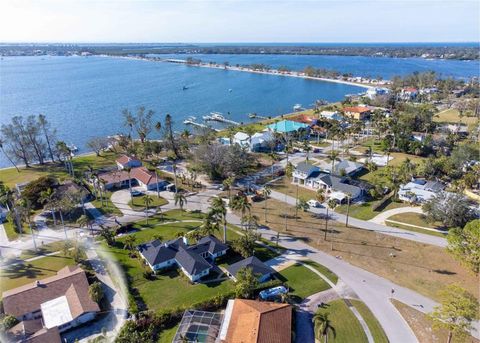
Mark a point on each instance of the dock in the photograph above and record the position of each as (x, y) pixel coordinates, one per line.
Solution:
(217, 116)
(194, 123)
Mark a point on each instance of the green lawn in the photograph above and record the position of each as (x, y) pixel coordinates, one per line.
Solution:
(174, 287)
(12, 234)
(108, 207)
(345, 323)
(372, 322)
(20, 274)
(324, 270)
(80, 164)
(302, 282)
(138, 202)
(167, 335)
(365, 211)
(453, 116)
(42, 249)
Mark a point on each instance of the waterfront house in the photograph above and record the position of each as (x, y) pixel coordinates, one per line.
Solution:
(139, 176)
(357, 112)
(286, 126)
(259, 269)
(195, 261)
(419, 191)
(125, 161)
(52, 305)
(242, 139)
(331, 115)
(373, 92)
(251, 321)
(260, 141)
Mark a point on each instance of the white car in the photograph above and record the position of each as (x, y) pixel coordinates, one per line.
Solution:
(313, 203)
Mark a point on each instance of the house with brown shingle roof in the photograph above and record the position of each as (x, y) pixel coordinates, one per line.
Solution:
(59, 302)
(140, 176)
(251, 321)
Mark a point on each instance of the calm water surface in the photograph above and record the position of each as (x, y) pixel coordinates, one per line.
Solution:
(83, 97)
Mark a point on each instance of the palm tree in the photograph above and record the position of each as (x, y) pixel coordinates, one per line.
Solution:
(240, 203)
(128, 170)
(307, 148)
(333, 156)
(211, 223)
(349, 197)
(82, 221)
(250, 131)
(8, 157)
(47, 198)
(180, 200)
(323, 326)
(129, 242)
(266, 191)
(251, 221)
(227, 185)
(147, 200)
(218, 205)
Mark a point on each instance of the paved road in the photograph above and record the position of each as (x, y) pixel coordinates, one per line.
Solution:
(380, 219)
(362, 224)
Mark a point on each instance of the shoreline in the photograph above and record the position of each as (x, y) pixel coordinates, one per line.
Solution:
(274, 72)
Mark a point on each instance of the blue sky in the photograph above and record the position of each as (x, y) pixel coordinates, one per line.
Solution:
(239, 21)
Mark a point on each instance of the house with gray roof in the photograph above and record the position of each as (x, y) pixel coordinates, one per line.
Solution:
(303, 171)
(259, 269)
(346, 167)
(335, 186)
(195, 261)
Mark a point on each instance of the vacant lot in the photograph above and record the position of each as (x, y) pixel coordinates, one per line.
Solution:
(344, 322)
(453, 116)
(422, 326)
(421, 267)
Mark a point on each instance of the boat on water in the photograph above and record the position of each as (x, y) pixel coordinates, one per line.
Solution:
(217, 116)
(297, 107)
(185, 88)
(252, 115)
(72, 147)
(230, 90)
(189, 120)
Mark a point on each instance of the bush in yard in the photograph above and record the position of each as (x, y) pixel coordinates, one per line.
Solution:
(9, 322)
(95, 291)
(452, 209)
(34, 188)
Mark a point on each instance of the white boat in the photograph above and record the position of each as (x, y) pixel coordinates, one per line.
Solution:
(207, 117)
(297, 107)
(252, 115)
(217, 116)
(72, 147)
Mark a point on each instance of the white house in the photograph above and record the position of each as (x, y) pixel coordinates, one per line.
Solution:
(331, 115)
(242, 139)
(419, 191)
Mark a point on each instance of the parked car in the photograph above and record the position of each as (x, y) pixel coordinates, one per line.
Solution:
(316, 150)
(136, 193)
(313, 203)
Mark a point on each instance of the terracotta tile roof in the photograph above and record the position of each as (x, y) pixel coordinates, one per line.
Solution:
(356, 109)
(70, 282)
(259, 322)
(144, 175)
(124, 159)
(302, 118)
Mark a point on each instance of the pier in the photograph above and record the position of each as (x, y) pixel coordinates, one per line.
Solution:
(217, 116)
(194, 123)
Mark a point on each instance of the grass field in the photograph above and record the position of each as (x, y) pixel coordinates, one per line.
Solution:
(302, 282)
(415, 229)
(12, 234)
(138, 202)
(80, 164)
(372, 322)
(423, 268)
(453, 116)
(23, 273)
(414, 218)
(365, 211)
(345, 323)
(324, 270)
(167, 335)
(422, 326)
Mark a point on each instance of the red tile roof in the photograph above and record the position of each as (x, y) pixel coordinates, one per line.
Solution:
(259, 322)
(144, 175)
(356, 109)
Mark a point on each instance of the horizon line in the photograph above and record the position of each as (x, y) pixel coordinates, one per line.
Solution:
(241, 42)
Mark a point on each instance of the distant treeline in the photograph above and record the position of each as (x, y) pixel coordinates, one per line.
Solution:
(458, 52)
